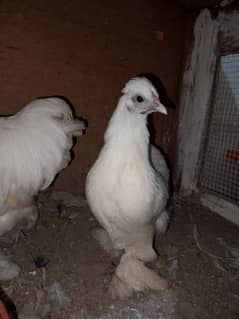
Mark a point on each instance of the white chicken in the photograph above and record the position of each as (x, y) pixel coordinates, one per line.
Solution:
(127, 189)
(35, 145)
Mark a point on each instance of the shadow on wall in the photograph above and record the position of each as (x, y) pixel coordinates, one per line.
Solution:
(163, 97)
(157, 83)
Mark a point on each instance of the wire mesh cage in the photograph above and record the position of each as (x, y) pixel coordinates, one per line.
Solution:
(219, 171)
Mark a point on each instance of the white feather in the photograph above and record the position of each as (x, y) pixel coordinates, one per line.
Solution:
(124, 190)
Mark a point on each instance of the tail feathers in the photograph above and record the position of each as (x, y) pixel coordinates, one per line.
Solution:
(158, 162)
(74, 127)
(162, 223)
(132, 275)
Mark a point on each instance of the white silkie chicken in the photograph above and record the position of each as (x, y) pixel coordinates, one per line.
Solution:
(35, 145)
(127, 189)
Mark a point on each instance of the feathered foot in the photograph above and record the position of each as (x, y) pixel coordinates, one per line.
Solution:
(23, 217)
(105, 242)
(29, 216)
(133, 276)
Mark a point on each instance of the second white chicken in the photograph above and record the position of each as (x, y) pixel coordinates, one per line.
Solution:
(35, 146)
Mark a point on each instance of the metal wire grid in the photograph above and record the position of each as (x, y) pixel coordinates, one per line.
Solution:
(219, 173)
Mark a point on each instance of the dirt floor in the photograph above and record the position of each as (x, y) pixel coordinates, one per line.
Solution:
(201, 286)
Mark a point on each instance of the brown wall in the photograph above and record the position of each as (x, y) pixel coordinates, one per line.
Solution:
(86, 51)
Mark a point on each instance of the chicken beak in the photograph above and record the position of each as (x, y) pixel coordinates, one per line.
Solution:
(159, 107)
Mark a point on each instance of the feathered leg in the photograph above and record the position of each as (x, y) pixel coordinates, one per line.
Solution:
(24, 214)
(29, 216)
(132, 275)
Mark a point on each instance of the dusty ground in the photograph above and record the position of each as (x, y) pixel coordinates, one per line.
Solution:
(201, 286)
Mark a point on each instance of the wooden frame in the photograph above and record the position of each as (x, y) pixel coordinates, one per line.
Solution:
(212, 38)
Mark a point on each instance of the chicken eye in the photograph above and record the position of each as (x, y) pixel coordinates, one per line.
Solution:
(139, 98)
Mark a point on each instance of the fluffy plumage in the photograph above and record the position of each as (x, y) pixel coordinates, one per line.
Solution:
(127, 187)
(35, 145)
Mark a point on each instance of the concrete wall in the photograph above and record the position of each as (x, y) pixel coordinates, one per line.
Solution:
(86, 51)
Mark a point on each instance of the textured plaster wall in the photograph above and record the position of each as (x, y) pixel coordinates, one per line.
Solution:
(86, 51)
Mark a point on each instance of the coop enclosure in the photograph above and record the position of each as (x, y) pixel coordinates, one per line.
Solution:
(219, 171)
(208, 150)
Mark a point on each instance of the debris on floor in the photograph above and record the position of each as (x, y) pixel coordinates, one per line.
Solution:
(48, 300)
(232, 253)
(228, 261)
(149, 306)
(65, 205)
(57, 297)
(66, 274)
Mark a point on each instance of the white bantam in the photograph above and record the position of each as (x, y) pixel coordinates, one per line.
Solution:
(127, 189)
